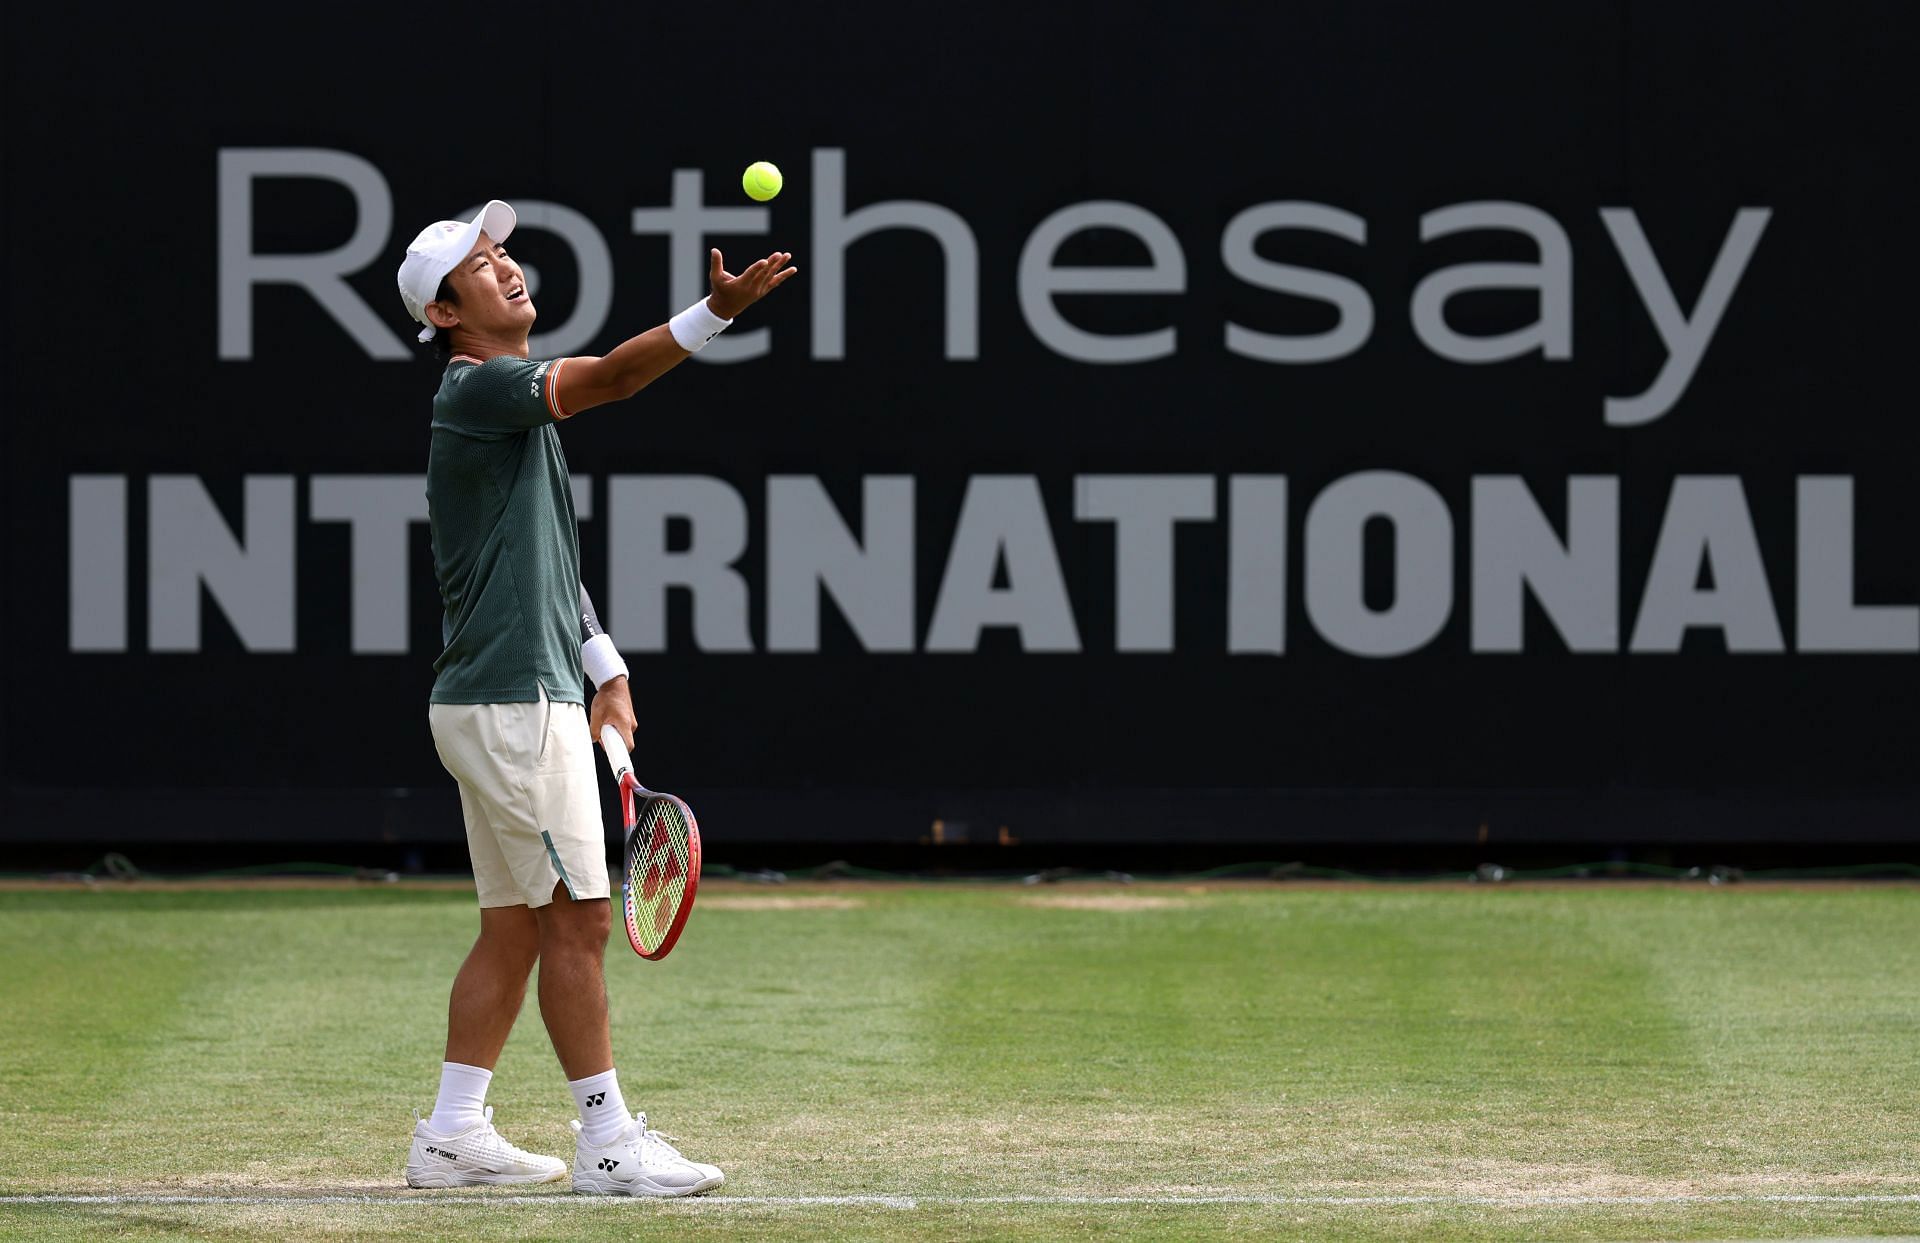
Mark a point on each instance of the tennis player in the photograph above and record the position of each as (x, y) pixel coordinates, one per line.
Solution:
(508, 712)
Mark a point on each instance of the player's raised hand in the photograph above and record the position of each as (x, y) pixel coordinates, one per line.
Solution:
(734, 294)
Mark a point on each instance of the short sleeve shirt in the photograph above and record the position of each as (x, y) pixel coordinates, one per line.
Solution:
(506, 550)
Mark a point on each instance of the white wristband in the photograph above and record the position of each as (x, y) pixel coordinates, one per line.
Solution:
(601, 659)
(696, 326)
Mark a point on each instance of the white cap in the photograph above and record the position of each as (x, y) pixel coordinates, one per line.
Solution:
(439, 249)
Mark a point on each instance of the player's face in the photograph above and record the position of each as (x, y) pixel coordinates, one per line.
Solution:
(492, 290)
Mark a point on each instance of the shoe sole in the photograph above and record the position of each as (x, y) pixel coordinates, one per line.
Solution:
(607, 1187)
(447, 1178)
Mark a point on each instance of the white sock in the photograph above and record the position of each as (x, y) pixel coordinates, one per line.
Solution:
(603, 1111)
(463, 1090)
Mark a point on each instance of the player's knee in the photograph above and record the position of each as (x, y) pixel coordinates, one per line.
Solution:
(597, 922)
(517, 953)
(570, 927)
(509, 940)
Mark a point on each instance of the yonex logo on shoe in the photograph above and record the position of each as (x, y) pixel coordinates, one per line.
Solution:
(441, 1152)
(607, 1163)
(596, 1098)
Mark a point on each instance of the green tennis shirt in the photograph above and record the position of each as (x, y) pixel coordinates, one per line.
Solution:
(506, 550)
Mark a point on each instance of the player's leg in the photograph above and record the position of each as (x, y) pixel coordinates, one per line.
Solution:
(457, 1146)
(572, 943)
(491, 985)
(557, 852)
(616, 1153)
(573, 1004)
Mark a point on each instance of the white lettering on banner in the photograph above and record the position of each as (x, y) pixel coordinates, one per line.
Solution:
(379, 508)
(1422, 563)
(1576, 581)
(1686, 337)
(190, 546)
(1828, 619)
(1143, 510)
(835, 229)
(97, 563)
(640, 566)
(1356, 308)
(1551, 335)
(323, 274)
(1003, 522)
(687, 222)
(1257, 564)
(1707, 525)
(810, 551)
(1002, 567)
(1040, 280)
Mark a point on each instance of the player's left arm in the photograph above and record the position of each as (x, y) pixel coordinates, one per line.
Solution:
(586, 382)
(612, 700)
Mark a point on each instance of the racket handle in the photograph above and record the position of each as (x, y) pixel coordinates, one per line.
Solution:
(617, 758)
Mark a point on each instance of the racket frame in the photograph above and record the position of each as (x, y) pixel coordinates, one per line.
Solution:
(635, 801)
(632, 792)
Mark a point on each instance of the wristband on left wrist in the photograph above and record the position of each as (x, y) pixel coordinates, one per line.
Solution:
(601, 661)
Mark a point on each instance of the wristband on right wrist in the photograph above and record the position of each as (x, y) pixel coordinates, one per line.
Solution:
(695, 326)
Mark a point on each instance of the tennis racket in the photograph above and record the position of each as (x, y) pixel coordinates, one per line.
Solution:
(662, 862)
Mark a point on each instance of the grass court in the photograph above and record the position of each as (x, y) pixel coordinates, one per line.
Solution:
(890, 1060)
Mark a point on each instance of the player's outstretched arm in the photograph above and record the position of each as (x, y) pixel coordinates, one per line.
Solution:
(635, 363)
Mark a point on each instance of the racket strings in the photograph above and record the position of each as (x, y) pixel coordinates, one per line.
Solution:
(657, 878)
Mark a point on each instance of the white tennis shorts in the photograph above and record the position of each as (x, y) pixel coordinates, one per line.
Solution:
(528, 792)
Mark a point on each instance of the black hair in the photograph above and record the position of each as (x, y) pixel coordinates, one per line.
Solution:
(442, 340)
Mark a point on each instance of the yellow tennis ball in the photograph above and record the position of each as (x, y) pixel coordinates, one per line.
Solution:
(761, 181)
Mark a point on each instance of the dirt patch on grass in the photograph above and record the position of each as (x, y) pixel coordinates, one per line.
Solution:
(1105, 901)
(779, 902)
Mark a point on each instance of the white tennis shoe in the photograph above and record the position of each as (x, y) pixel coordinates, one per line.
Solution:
(639, 1162)
(476, 1157)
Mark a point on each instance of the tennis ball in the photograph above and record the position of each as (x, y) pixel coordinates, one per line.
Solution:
(761, 181)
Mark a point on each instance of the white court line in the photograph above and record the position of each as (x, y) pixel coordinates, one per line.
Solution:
(430, 1199)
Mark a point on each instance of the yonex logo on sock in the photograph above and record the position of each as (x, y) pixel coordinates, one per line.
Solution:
(607, 1163)
(596, 1097)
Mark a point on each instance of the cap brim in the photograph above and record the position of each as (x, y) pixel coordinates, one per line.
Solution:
(496, 219)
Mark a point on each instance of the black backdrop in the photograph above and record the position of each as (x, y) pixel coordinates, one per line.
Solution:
(1685, 114)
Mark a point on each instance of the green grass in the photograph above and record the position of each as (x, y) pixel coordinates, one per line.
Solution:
(1458, 1043)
